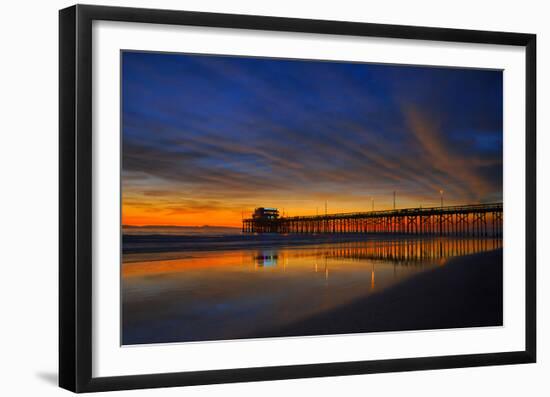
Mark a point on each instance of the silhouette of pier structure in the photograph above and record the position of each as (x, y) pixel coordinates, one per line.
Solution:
(465, 220)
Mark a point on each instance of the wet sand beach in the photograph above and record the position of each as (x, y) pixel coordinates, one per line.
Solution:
(466, 292)
(317, 288)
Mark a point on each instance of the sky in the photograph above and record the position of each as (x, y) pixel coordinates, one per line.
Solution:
(206, 139)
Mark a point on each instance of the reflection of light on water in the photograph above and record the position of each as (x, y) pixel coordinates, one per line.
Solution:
(232, 299)
(397, 252)
(266, 259)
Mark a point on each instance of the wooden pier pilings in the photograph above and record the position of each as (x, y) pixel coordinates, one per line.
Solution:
(466, 220)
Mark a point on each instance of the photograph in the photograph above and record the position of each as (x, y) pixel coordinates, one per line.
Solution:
(271, 197)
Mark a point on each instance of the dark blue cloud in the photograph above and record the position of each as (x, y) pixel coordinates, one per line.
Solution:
(237, 125)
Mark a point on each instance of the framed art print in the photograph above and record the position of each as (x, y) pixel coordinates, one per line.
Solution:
(248, 198)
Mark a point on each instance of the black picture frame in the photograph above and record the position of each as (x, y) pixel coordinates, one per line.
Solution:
(75, 197)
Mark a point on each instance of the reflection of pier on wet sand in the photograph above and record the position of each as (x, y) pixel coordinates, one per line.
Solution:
(414, 250)
(408, 251)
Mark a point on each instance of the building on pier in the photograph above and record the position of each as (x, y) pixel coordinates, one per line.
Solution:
(264, 213)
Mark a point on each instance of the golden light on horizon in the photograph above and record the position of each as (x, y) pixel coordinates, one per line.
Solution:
(140, 210)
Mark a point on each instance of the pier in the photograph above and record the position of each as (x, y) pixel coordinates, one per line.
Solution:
(465, 220)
